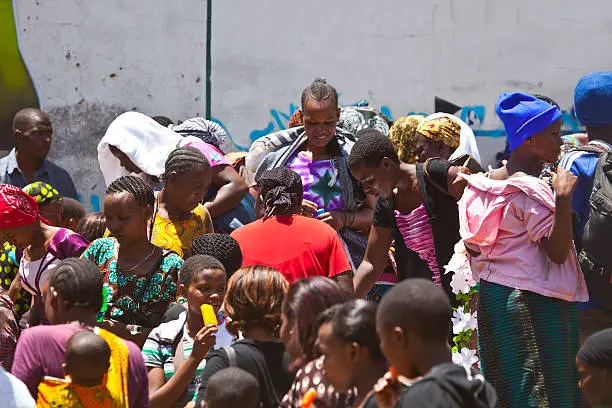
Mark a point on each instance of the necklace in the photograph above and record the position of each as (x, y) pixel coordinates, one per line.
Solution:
(141, 262)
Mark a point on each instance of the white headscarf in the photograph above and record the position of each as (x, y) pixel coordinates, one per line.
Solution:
(467, 140)
(143, 140)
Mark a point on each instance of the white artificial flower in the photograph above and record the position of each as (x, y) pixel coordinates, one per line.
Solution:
(456, 263)
(466, 357)
(463, 321)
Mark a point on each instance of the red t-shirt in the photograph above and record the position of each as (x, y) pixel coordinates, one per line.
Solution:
(295, 245)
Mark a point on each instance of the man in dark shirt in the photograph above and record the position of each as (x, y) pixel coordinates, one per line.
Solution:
(27, 162)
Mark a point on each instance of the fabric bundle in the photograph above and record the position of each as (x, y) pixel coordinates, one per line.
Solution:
(16, 207)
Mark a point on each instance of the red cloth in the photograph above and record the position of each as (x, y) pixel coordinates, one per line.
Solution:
(16, 207)
(295, 245)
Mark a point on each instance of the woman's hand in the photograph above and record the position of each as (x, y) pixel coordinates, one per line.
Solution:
(309, 208)
(204, 341)
(564, 183)
(335, 219)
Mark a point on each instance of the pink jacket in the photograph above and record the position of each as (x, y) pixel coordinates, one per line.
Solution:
(505, 221)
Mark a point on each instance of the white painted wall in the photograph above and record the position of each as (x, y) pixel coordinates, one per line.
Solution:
(394, 53)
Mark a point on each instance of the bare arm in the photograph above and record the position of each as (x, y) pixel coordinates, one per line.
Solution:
(345, 280)
(232, 189)
(374, 260)
(559, 241)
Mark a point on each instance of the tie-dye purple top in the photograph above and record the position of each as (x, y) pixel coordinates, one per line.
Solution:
(317, 176)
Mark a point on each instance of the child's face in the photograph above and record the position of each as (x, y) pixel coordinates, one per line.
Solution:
(207, 287)
(339, 358)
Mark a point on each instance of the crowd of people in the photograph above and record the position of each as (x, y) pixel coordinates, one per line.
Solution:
(313, 270)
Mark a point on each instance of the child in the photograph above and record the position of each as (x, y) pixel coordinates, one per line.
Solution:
(72, 212)
(174, 351)
(87, 360)
(92, 226)
(232, 387)
(413, 321)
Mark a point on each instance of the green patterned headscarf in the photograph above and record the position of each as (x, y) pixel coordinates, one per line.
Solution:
(43, 193)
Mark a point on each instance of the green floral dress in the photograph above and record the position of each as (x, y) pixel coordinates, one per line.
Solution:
(135, 299)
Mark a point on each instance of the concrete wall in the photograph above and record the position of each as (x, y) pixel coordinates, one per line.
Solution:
(92, 59)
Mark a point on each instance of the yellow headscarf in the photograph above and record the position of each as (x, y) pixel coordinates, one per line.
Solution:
(402, 134)
(444, 129)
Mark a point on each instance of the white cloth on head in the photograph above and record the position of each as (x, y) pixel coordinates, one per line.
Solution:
(143, 140)
(467, 140)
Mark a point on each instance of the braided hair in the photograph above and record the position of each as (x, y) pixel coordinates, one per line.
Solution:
(136, 187)
(281, 191)
(318, 91)
(79, 282)
(184, 159)
(221, 247)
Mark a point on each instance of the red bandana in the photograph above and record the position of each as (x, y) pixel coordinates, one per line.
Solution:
(16, 207)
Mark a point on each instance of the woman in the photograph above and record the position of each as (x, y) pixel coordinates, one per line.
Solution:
(519, 237)
(228, 197)
(40, 246)
(594, 361)
(140, 279)
(315, 249)
(178, 216)
(318, 152)
(72, 300)
(305, 300)
(351, 349)
(416, 208)
(253, 308)
(174, 351)
(403, 136)
(135, 143)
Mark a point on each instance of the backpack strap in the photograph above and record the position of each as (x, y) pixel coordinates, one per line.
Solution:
(231, 355)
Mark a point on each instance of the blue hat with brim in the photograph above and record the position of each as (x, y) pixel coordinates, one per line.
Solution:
(524, 115)
(593, 99)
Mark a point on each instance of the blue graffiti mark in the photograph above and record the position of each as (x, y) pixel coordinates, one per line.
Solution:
(385, 110)
(229, 136)
(473, 115)
(94, 200)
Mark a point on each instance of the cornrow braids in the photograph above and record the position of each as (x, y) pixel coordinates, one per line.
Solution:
(184, 159)
(221, 247)
(79, 282)
(136, 187)
(318, 91)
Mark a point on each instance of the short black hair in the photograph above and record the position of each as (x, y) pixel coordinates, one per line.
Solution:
(547, 99)
(232, 387)
(72, 208)
(79, 282)
(355, 321)
(418, 306)
(136, 187)
(370, 148)
(195, 264)
(92, 226)
(184, 159)
(87, 357)
(222, 247)
(318, 91)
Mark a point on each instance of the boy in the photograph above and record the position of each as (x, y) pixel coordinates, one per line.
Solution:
(232, 387)
(413, 321)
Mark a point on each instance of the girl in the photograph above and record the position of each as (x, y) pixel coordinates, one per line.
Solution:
(179, 217)
(306, 299)
(352, 357)
(253, 308)
(140, 279)
(520, 241)
(174, 352)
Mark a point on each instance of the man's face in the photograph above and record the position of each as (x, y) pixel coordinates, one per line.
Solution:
(35, 136)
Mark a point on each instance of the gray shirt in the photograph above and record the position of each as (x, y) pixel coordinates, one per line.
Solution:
(49, 173)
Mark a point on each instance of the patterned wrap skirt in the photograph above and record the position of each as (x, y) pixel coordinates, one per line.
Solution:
(528, 345)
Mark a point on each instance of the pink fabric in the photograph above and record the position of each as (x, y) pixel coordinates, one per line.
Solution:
(418, 237)
(505, 220)
(214, 156)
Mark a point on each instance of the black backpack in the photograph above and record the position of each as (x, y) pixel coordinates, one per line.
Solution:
(596, 255)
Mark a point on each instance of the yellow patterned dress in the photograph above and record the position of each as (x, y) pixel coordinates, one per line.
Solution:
(177, 236)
